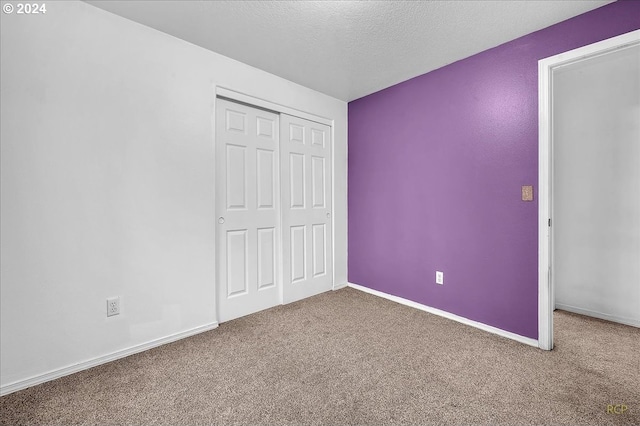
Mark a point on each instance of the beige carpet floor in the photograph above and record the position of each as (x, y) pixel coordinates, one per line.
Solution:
(350, 358)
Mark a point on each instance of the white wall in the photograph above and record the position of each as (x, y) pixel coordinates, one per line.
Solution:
(596, 228)
(108, 184)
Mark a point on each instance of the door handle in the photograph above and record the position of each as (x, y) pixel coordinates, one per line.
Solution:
(221, 220)
(328, 215)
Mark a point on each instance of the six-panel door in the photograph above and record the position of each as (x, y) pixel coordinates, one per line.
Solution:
(270, 168)
(305, 159)
(248, 209)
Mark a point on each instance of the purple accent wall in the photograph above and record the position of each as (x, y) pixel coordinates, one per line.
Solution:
(435, 169)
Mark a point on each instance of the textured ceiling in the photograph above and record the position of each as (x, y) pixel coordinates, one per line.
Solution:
(348, 49)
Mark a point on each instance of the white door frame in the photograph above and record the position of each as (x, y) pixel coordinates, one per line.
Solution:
(223, 92)
(546, 66)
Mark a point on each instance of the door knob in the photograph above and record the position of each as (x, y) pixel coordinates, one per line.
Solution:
(221, 220)
(328, 215)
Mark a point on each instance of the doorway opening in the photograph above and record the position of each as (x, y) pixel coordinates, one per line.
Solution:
(580, 179)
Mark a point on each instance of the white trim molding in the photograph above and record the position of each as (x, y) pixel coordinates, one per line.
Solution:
(509, 335)
(263, 103)
(595, 314)
(75, 368)
(546, 67)
(339, 286)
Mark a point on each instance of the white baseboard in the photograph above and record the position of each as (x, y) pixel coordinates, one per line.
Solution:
(614, 318)
(509, 335)
(65, 371)
(339, 286)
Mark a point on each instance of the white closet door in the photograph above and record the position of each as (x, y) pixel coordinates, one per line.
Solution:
(248, 213)
(306, 207)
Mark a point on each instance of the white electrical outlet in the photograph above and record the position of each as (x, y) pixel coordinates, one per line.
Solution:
(439, 277)
(113, 306)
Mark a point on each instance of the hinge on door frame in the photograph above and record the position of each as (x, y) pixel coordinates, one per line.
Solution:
(549, 221)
